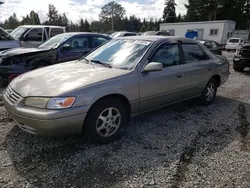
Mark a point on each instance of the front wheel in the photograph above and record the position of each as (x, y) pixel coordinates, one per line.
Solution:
(238, 69)
(209, 93)
(105, 121)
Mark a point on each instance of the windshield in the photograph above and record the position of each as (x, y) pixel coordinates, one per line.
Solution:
(149, 33)
(234, 40)
(18, 32)
(122, 54)
(4, 35)
(55, 41)
(118, 34)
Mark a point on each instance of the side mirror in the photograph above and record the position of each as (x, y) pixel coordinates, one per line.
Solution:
(66, 47)
(153, 66)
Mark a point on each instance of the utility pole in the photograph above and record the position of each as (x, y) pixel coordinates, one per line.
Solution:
(112, 16)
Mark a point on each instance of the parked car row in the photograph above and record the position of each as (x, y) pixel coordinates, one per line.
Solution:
(61, 48)
(98, 93)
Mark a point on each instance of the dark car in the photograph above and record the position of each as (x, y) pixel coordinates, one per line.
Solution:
(212, 46)
(159, 33)
(61, 48)
(241, 59)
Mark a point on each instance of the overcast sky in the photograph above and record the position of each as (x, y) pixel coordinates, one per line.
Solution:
(89, 9)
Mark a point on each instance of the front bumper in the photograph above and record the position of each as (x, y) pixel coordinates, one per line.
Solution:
(224, 77)
(47, 122)
(244, 62)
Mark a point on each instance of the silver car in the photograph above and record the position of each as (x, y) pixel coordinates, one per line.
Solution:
(97, 94)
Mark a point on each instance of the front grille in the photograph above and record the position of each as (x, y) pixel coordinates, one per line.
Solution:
(12, 95)
(245, 53)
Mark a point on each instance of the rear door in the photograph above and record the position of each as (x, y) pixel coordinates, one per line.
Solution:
(197, 70)
(79, 46)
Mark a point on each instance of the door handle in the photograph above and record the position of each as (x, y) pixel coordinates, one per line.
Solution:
(179, 76)
(209, 69)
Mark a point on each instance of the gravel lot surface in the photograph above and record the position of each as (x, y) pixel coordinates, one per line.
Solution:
(184, 145)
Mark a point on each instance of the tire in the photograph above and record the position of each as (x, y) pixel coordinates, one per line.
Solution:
(205, 98)
(238, 69)
(99, 118)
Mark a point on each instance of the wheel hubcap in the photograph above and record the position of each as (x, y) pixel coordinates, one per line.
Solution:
(108, 122)
(210, 92)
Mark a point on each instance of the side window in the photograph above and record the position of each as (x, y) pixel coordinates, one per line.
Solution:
(35, 34)
(79, 43)
(214, 32)
(167, 54)
(97, 41)
(129, 34)
(55, 31)
(193, 52)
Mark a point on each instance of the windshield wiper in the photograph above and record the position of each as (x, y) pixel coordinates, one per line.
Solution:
(101, 63)
(84, 58)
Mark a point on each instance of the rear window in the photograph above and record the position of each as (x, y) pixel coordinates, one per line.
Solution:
(234, 40)
(129, 34)
(55, 31)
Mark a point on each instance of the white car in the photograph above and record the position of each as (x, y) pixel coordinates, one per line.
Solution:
(234, 43)
(7, 41)
(34, 35)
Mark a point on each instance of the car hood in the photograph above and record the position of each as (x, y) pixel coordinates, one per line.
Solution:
(58, 79)
(20, 51)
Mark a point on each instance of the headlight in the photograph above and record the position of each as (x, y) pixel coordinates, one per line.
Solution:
(61, 102)
(49, 103)
(237, 53)
(37, 102)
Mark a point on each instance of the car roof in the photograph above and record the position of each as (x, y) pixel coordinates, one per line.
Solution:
(35, 26)
(154, 38)
(82, 33)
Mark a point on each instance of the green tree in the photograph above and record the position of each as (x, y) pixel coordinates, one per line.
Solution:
(111, 13)
(82, 25)
(52, 15)
(12, 22)
(35, 20)
(87, 25)
(143, 28)
(169, 14)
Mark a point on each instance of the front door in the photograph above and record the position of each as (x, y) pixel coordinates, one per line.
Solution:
(79, 46)
(163, 87)
(33, 38)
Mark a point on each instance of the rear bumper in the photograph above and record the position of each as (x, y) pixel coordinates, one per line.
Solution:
(47, 122)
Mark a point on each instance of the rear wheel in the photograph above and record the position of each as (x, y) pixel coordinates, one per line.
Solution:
(209, 93)
(105, 121)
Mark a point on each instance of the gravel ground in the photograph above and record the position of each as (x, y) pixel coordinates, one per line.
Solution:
(184, 145)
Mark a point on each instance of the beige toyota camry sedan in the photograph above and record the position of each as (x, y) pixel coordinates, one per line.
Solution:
(96, 95)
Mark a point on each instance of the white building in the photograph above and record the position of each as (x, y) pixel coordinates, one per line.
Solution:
(219, 31)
